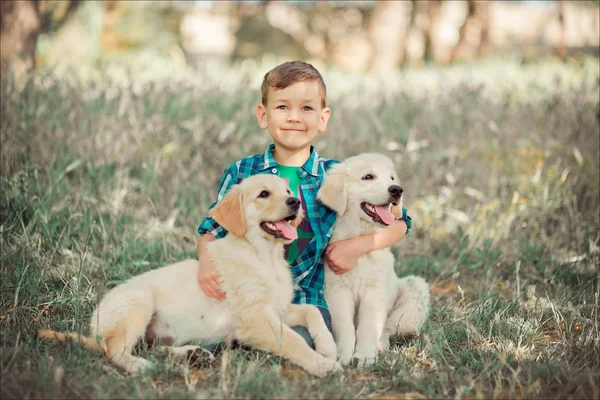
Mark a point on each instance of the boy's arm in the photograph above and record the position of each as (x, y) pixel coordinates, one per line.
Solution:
(208, 278)
(342, 256)
(210, 230)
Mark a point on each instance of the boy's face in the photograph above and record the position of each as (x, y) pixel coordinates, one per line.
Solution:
(293, 115)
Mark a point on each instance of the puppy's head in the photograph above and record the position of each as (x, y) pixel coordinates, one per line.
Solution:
(367, 186)
(260, 205)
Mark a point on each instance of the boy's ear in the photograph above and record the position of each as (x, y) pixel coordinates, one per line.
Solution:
(325, 114)
(333, 192)
(229, 212)
(261, 116)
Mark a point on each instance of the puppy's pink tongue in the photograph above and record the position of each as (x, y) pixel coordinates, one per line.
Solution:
(385, 214)
(288, 231)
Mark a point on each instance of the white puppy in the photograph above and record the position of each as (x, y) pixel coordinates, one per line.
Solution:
(362, 190)
(260, 215)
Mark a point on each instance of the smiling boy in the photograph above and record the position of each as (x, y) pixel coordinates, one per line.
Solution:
(294, 110)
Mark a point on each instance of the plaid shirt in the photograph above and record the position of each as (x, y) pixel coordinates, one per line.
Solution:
(307, 269)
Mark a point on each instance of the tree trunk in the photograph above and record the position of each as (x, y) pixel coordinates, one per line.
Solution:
(561, 48)
(484, 17)
(388, 24)
(433, 12)
(404, 59)
(478, 19)
(19, 27)
(462, 31)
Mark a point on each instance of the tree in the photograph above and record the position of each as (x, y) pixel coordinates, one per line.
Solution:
(21, 22)
(19, 29)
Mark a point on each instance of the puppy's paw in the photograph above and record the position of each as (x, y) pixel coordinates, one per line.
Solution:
(383, 346)
(327, 366)
(325, 345)
(345, 355)
(138, 366)
(186, 351)
(384, 343)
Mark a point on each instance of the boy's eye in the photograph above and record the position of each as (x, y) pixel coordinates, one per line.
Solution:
(264, 194)
(281, 107)
(368, 177)
(307, 108)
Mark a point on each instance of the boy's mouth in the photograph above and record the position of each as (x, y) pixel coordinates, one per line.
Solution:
(294, 130)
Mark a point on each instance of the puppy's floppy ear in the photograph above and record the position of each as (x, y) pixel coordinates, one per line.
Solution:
(333, 192)
(229, 212)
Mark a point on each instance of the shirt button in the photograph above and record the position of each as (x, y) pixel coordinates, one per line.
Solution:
(274, 170)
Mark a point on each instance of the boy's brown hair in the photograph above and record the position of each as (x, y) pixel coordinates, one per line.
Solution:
(289, 73)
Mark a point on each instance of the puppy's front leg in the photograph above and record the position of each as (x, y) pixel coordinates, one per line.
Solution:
(268, 333)
(371, 320)
(410, 310)
(310, 317)
(341, 306)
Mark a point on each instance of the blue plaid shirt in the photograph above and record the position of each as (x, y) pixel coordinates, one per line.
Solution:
(307, 269)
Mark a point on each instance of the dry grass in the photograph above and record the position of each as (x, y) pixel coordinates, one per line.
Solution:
(106, 174)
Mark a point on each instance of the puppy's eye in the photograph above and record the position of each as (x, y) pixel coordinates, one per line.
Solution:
(392, 177)
(264, 194)
(368, 177)
(289, 191)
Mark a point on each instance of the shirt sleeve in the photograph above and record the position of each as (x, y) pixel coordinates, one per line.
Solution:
(208, 224)
(406, 218)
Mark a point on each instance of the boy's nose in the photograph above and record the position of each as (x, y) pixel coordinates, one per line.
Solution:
(293, 117)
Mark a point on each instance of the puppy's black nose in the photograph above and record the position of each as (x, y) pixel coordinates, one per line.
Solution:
(395, 191)
(293, 203)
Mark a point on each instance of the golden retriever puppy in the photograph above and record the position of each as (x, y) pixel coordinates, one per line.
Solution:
(261, 216)
(363, 190)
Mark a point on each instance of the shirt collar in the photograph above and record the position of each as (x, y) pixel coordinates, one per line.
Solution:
(311, 165)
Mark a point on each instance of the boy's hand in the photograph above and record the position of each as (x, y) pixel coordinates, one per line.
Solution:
(208, 279)
(342, 256)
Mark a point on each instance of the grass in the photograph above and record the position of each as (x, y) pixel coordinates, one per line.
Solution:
(107, 172)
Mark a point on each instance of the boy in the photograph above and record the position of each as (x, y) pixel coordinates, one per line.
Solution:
(293, 110)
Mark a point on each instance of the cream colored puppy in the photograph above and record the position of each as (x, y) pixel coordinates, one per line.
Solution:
(261, 216)
(363, 190)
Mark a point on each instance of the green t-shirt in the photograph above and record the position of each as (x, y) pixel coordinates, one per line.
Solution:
(305, 232)
(290, 174)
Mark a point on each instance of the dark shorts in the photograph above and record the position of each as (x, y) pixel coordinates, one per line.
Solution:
(302, 331)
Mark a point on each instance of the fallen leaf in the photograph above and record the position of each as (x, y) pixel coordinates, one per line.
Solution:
(198, 374)
(292, 373)
(577, 328)
(549, 339)
(445, 288)
(400, 396)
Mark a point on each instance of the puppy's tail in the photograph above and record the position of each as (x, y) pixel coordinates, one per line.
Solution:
(88, 342)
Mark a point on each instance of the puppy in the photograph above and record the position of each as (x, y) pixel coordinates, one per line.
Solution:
(261, 216)
(364, 191)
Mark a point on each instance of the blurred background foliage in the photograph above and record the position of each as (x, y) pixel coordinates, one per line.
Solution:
(502, 94)
(359, 36)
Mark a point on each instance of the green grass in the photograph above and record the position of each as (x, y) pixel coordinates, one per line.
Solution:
(107, 173)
